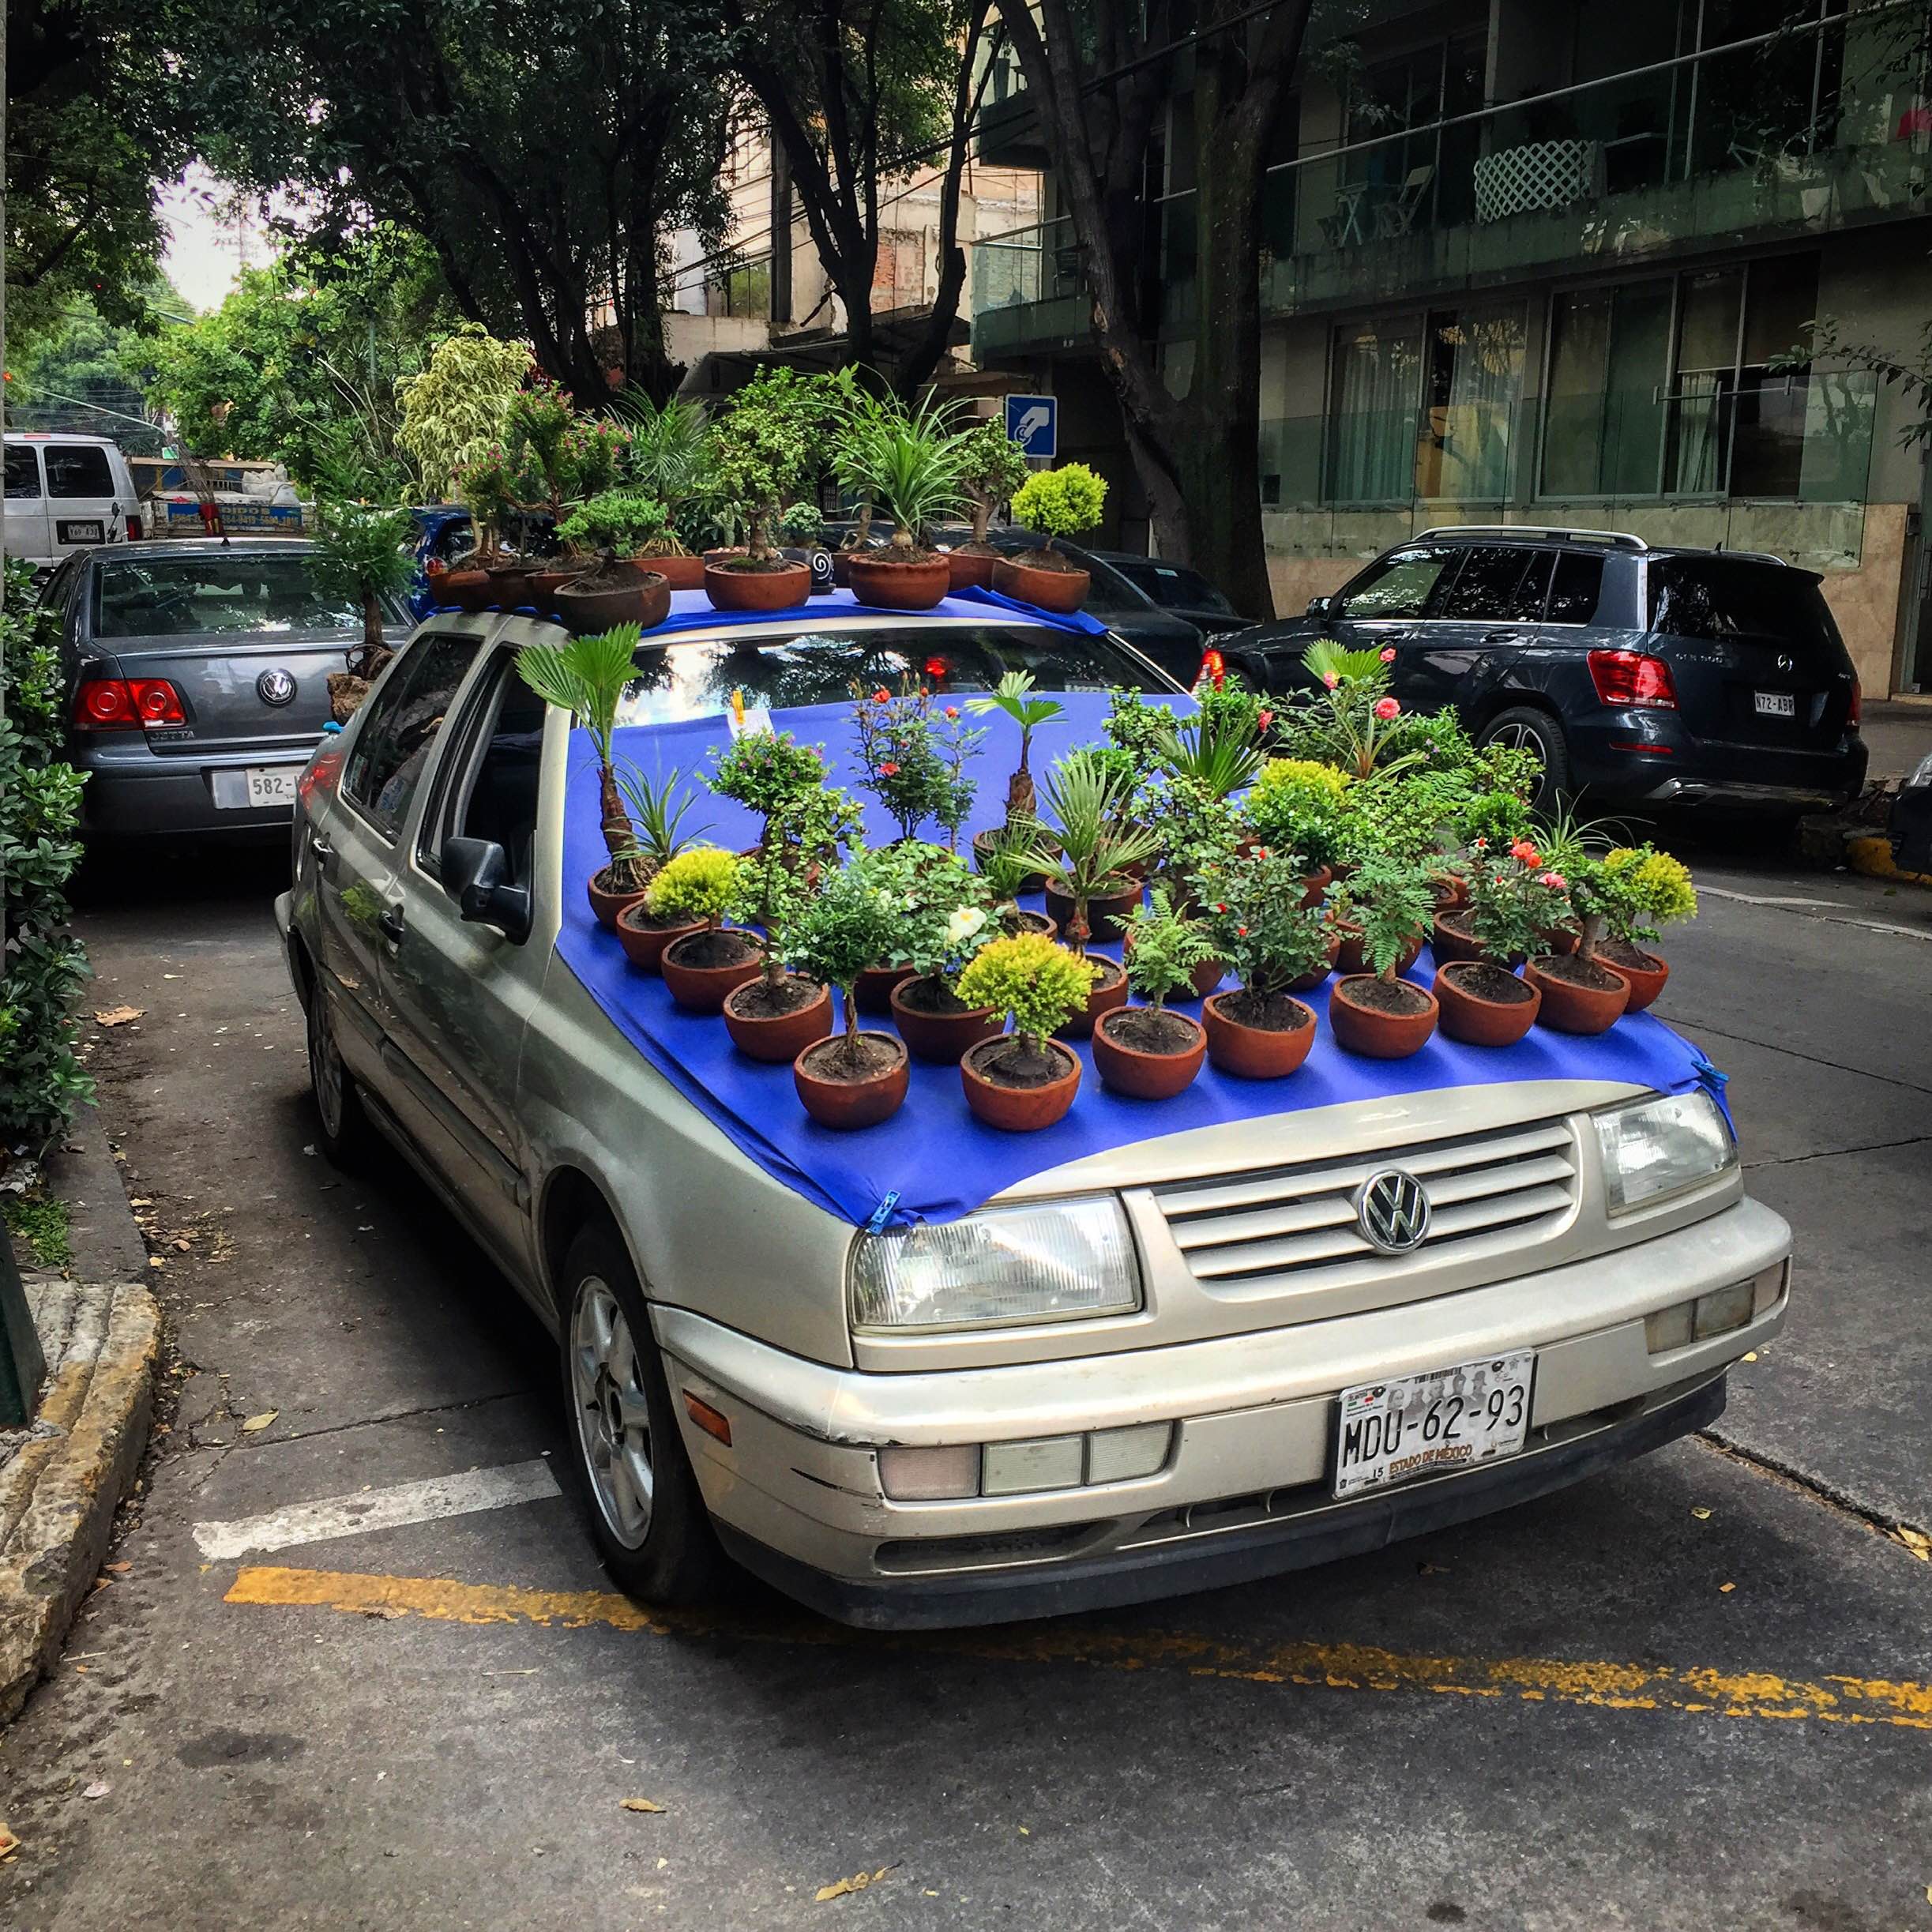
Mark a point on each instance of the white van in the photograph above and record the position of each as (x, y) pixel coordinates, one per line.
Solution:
(66, 493)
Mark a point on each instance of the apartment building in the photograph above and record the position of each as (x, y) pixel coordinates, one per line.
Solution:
(1559, 261)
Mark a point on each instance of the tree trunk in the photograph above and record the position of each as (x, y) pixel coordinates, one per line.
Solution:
(372, 622)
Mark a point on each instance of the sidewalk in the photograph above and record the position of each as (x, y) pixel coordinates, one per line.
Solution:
(62, 1478)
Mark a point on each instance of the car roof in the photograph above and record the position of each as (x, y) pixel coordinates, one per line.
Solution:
(60, 436)
(1576, 538)
(248, 546)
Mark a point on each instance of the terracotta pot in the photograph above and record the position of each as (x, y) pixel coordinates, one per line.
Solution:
(1018, 1109)
(970, 570)
(758, 590)
(605, 904)
(1314, 884)
(1025, 922)
(1254, 1052)
(644, 944)
(702, 989)
(1645, 981)
(1561, 941)
(1106, 913)
(469, 590)
(544, 586)
(647, 603)
(1476, 1021)
(1380, 1035)
(875, 987)
(780, 1037)
(888, 583)
(1110, 993)
(1204, 978)
(983, 845)
(1447, 942)
(845, 1103)
(1452, 891)
(1349, 957)
(1061, 591)
(1568, 1008)
(510, 584)
(681, 573)
(1308, 981)
(941, 1037)
(1145, 1076)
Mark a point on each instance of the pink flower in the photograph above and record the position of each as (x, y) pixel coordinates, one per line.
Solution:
(1331, 680)
(1263, 719)
(1389, 653)
(889, 769)
(1555, 880)
(1387, 708)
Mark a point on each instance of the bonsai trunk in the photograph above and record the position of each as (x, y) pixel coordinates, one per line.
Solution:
(625, 868)
(851, 1026)
(1590, 937)
(1021, 796)
(372, 621)
(758, 540)
(982, 515)
(1078, 932)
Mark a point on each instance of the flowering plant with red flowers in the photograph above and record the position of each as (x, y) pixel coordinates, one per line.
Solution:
(914, 757)
(1517, 898)
(1256, 922)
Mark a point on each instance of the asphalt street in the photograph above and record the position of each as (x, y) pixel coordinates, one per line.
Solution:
(1696, 1692)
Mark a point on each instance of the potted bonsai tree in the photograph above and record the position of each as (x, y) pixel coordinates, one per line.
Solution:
(1647, 889)
(1024, 1079)
(1513, 900)
(1062, 502)
(1275, 943)
(904, 769)
(699, 887)
(777, 1014)
(1297, 804)
(1389, 900)
(946, 927)
(772, 774)
(657, 811)
(1147, 1052)
(764, 452)
(368, 547)
(1580, 995)
(991, 467)
(1014, 695)
(587, 678)
(669, 459)
(855, 1078)
(910, 468)
(611, 528)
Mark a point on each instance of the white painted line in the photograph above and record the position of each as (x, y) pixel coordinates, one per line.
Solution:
(1756, 899)
(377, 1509)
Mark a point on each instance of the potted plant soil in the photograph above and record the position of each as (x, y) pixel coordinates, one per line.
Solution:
(1296, 805)
(1274, 943)
(763, 452)
(587, 678)
(1062, 502)
(610, 588)
(669, 459)
(701, 967)
(1014, 695)
(909, 466)
(1087, 860)
(777, 1014)
(1644, 890)
(1025, 1080)
(1513, 896)
(1580, 995)
(855, 1078)
(657, 814)
(991, 467)
(1147, 1052)
(1377, 1012)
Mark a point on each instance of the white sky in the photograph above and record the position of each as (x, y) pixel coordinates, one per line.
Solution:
(206, 252)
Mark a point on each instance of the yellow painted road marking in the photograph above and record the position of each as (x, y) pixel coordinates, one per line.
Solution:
(1831, 1700)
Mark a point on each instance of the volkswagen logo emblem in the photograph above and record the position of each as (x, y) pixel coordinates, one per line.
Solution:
(275, 686)
(1393, 1212)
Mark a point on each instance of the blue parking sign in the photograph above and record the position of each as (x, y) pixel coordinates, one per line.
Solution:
(1033, 422)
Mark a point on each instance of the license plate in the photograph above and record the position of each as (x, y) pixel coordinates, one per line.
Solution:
(251, 787)
(71, 530)
(1391, 1432)
(1776, 704)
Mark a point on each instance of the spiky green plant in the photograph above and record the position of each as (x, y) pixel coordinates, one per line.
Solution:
(1087, 798)
(658, 810)
(586, 678)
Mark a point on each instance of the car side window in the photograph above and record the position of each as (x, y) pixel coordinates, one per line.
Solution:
(489, 789)
(1577, 589)
(1402, 583)
(23, 474)
(405, 718)
(78, 470)
(1499, 583)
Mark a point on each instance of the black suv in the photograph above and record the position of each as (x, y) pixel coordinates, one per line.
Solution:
(1639, 677)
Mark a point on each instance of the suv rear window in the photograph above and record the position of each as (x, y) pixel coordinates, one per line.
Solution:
(1174, 587)
(78, 470)
(1731, 597)
(23, 472)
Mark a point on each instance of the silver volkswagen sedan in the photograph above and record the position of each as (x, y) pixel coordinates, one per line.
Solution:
(1195, 1359)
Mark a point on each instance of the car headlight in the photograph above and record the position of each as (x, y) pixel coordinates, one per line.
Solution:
(1662, 1147)
(1060, 1261)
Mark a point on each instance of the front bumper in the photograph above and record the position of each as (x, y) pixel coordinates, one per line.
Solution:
(1244, 1490)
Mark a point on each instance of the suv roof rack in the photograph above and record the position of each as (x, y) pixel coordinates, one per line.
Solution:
(1622, 540)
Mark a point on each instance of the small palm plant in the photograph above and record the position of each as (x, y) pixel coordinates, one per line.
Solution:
(1087, 798)
(1014, 695)
(670, 460)
(658, 810)
(905, 462)
(586, 678)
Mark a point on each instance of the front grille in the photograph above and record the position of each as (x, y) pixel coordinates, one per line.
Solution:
(1297, 1225)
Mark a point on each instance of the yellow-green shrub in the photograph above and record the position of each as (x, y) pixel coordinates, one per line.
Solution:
(697, 884)
(1038, 985)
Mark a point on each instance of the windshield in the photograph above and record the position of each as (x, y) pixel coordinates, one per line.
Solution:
(1172, 586)
(226, 594)
(776, 666)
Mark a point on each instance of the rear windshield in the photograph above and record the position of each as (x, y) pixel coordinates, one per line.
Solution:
(1726, 597)
(224, 595)
(1174, 588)
(776, 666)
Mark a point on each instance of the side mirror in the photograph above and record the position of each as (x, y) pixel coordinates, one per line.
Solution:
(476, 876)
(1320, 607)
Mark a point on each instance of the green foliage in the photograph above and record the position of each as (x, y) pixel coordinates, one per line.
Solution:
(455, 411)
(1037, 985)
(1498, 818)
(769, 772)
(1093, 845)
(1645, 890)
(1353, 723)
(801, 523)
(943, 916)
(45, 1224)
(586, 678)
(1392, 901)
(701, 882)
(1163, 948)
(914, 757)
(1193, 829)
(658, 810)
(1403, 815)
(364, 543)
(1216, 753)
(43, 966)
(670, 454)
(1300, 806)
(856, 920)
(1137, 727)
(80, 354)
(621, 522)
(1252, 906)
(991, 467)
(1063, 502)
(1014, 695)
(1515, 899)
(768, 446)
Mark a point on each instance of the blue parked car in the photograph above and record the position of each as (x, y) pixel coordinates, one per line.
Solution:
(444, 533)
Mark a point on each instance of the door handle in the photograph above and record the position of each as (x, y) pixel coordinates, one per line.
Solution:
(1502, 637)
(389, 923)
(320, 846)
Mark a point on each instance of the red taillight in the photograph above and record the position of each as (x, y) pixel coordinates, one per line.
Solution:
(126, 705)
(1628, 679)
(319, 775)
(937, 668)
(134, 532)
(1213, 669)
(1858, 701)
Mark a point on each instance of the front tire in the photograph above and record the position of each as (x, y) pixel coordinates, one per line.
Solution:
(633, 1476)
(1525, 728)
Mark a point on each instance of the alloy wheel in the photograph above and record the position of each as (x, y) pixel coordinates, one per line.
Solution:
(325, 1072)
(613, 1414)
(1520, 735)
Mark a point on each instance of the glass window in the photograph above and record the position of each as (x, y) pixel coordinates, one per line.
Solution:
(23, 473)
(1577, 588)
(1174, 587)
(1499, 583)
(1474, 384)
(405, 717)
(1397, 585)
(1372, 413)
(1712, 597)
(494, 795)
(226, 593)
(1609, 356)
(78, 470)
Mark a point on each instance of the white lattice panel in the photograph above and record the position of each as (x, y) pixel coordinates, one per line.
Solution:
(1544, 173)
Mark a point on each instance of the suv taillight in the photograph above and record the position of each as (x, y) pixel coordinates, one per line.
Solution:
(1857, 702)
(1629, 680)
(126, 705)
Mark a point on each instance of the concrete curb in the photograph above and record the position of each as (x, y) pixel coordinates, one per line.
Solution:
(59, 1491)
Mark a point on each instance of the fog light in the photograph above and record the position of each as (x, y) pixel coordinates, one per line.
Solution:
(1043, 1462)
(930, 1474)
(1121, 1455)
(1719, 1312)
(1670, 1328)
(1770, 1286)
